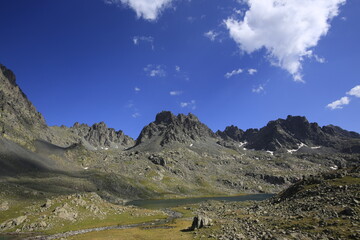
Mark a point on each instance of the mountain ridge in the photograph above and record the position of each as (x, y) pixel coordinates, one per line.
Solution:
(19, 117)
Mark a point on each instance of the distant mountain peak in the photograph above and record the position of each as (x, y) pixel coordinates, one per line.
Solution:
(289, 134)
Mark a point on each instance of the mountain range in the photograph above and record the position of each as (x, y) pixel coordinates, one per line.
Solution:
(172, 156)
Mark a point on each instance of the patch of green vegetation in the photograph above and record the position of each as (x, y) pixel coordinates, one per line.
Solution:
(231, 151)
(108, 220)
(310, 186)
(347, 180)
(169, 231)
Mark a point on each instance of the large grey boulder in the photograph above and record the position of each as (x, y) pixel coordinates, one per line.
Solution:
(200, 221)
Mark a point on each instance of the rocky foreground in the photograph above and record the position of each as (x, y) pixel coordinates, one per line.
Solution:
(318, 207)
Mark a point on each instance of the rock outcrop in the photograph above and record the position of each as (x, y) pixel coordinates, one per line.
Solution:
(100, 136)
(169, 129)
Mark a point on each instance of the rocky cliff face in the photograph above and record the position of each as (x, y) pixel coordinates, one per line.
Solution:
(169, 129)
(18, 116)
(22, 123)
(100, 136)
(293, 133)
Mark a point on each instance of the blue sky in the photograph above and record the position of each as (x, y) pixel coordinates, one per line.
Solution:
(228, 62)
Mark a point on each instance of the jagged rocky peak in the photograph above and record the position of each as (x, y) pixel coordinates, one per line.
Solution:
(291, 134)
(100, 136)
(8, 74)
(168, 128)
(337, 131)
(231, 133)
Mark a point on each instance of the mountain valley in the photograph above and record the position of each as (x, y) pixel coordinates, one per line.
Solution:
(96, 169)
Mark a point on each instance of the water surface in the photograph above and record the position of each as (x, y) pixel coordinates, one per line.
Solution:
(168, 203)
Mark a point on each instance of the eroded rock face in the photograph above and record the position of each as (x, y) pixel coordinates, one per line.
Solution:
(100, 136)
(18, 117)
(168, 128)
(231, 133)
(291, 133)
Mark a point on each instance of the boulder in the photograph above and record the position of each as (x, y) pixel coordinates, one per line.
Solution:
(19, 220)
(200, 221)
(4, 206)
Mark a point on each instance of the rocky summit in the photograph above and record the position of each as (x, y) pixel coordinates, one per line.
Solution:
(89, 170)
(168, 129)
(293, 133)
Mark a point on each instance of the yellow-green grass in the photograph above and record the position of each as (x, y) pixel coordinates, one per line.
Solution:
(347, 180)
(109, 220)
(170, 232)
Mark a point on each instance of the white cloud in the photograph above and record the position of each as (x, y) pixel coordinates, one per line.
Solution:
(211, 35)
(155, 70)
(136, 115)
(149, 39)
(287, 29)
(177, 68)
(252, 71)
(137, 89)
(259, 89)
(175, 93)
(355, 91)
(338, 104)
(233, 73)
(191, 104)
(147, 9)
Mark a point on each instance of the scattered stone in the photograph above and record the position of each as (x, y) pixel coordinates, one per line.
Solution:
(47, 204)
(4, 206)
(19, 220)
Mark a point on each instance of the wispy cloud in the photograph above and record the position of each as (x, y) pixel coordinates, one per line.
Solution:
(136, 115)
(175, 93)
(252, 71)
(138, 39)
(288, 30)
(179, 73)
(338, 104)
(137, 89)
(191, 104)
(155, 70)
(233, 73)
(319, 59)
(212, 35)
(133, 109)
(259, 89)
(147, 9)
